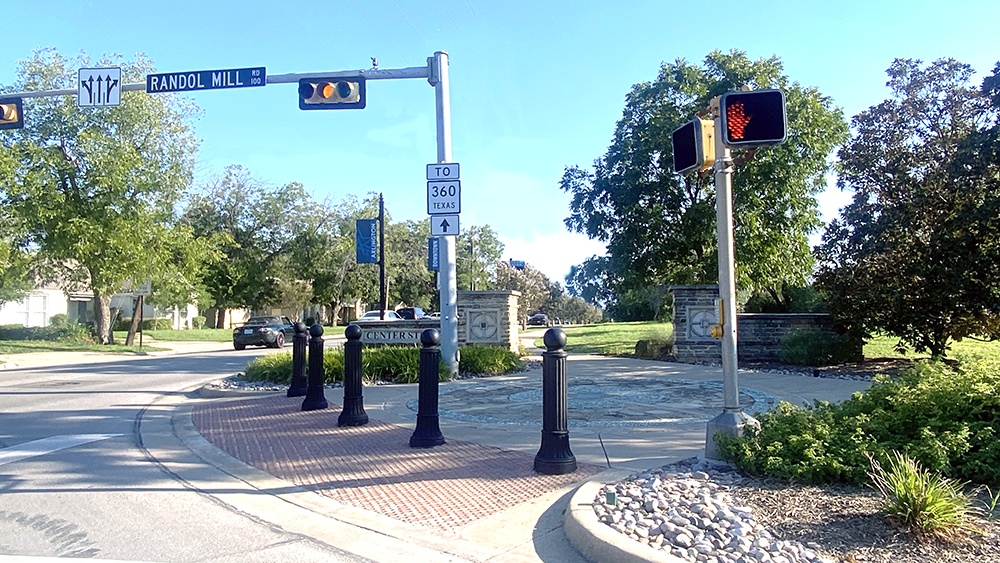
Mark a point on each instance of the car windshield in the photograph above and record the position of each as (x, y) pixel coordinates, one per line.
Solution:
(261, 321)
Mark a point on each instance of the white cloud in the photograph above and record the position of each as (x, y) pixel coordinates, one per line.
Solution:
(552, 253)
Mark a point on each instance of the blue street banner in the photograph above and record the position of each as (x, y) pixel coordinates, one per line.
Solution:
(366, 241)
(434, 254)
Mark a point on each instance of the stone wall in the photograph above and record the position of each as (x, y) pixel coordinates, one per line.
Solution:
(489, 317)
(758, 335)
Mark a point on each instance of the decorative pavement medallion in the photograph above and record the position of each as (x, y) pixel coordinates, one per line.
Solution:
(595, 402)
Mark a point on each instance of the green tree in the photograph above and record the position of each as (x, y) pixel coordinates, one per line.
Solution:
(660, 227)
(917, 252)
(537, 290)
(260, 224)
(97, 187)
(477, 249)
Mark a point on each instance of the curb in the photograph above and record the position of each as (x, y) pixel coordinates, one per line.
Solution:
(597, 541)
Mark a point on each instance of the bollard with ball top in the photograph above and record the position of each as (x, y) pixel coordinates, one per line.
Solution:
(554, 456)
(299, 385)
(315, 399)
(428, 431)
(353, 413)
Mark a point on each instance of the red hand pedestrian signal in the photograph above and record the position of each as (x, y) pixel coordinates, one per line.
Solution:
(736, 121)
(752, 119)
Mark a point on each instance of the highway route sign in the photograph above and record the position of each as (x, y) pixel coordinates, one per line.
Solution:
(444, 225)
(444, 197)
(99, 87)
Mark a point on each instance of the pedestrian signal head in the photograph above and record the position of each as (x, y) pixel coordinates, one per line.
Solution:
(332, 93)
(11, 113)
(694, 146)
(753, 119)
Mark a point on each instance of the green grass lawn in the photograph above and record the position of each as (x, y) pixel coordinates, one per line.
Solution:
(194, 335)
(967, 349)
(28, 346)
(612, 338)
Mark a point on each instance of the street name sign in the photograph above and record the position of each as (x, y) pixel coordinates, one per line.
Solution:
(442, 171)
(99, 87)
(206, 80)
(444, 225)
(444, 197)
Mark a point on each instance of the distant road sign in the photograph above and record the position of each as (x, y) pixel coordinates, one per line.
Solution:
(444, 225)
(434, 254)
(206, 80)
(99, 87)
(442, 171)
(444, 198)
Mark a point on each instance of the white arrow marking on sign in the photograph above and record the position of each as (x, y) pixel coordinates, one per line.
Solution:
(49, 445)
(444, 225)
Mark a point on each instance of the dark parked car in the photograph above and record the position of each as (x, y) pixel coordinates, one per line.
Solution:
(270, 331)
(410, 313)
(540, 319)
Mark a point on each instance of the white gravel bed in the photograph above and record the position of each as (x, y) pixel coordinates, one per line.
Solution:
(687, 510)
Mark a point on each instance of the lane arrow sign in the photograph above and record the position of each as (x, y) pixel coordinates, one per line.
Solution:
(444, 225)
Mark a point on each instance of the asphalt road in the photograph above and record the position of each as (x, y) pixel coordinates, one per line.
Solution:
(76, 481)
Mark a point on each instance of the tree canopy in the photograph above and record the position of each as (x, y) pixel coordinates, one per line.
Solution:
(660, 226)
(917, 252)
(96, 187)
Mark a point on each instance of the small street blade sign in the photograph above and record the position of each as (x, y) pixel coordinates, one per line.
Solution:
(442, 171)
(434, 254)
(444, 225)
(444, 198)
(99, 87)
(206, 80)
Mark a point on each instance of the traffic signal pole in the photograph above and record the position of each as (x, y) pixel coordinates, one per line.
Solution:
(447, 279)
(732, 421)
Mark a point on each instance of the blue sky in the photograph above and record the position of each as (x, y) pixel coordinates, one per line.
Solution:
(536, 86)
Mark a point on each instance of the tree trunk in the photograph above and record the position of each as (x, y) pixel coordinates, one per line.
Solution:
(220, 317)
(102, 317)
(133, 327)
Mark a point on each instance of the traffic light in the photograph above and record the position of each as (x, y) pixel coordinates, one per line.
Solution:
(332, 93)
(11, 113)
(694, 146)
(753, 119)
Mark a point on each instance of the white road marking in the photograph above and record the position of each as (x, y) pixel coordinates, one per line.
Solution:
(49, 445)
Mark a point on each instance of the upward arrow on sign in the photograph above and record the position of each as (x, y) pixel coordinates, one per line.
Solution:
(444, 225)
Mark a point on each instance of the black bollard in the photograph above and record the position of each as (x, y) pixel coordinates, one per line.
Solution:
(299, 384)
(428, 433)
(315, 399)
(554, 456)
(354, 404)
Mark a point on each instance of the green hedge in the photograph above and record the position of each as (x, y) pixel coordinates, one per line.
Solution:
(813, 347)
(70, 332)
(123, 323)
(398, 364)
(946, 417)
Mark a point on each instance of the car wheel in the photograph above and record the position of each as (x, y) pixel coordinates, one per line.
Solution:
(239, 346)
(279, 341)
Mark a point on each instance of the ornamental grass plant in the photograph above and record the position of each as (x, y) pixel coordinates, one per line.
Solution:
(922, 501)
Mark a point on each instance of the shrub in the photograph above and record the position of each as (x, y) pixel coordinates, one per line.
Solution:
(652, 348)
(945, 417)
(491, 360)
(920, 500)
(59, 320)
(397, 364)
(815, 348)
(198, 322)
(71, 332)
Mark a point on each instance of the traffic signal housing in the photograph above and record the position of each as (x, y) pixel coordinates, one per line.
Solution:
(332, 93)
(11, 113)
(694, 146)
(753, 119)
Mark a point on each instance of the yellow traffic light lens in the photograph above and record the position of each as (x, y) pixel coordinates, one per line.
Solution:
(8, 112)
(325, 90)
